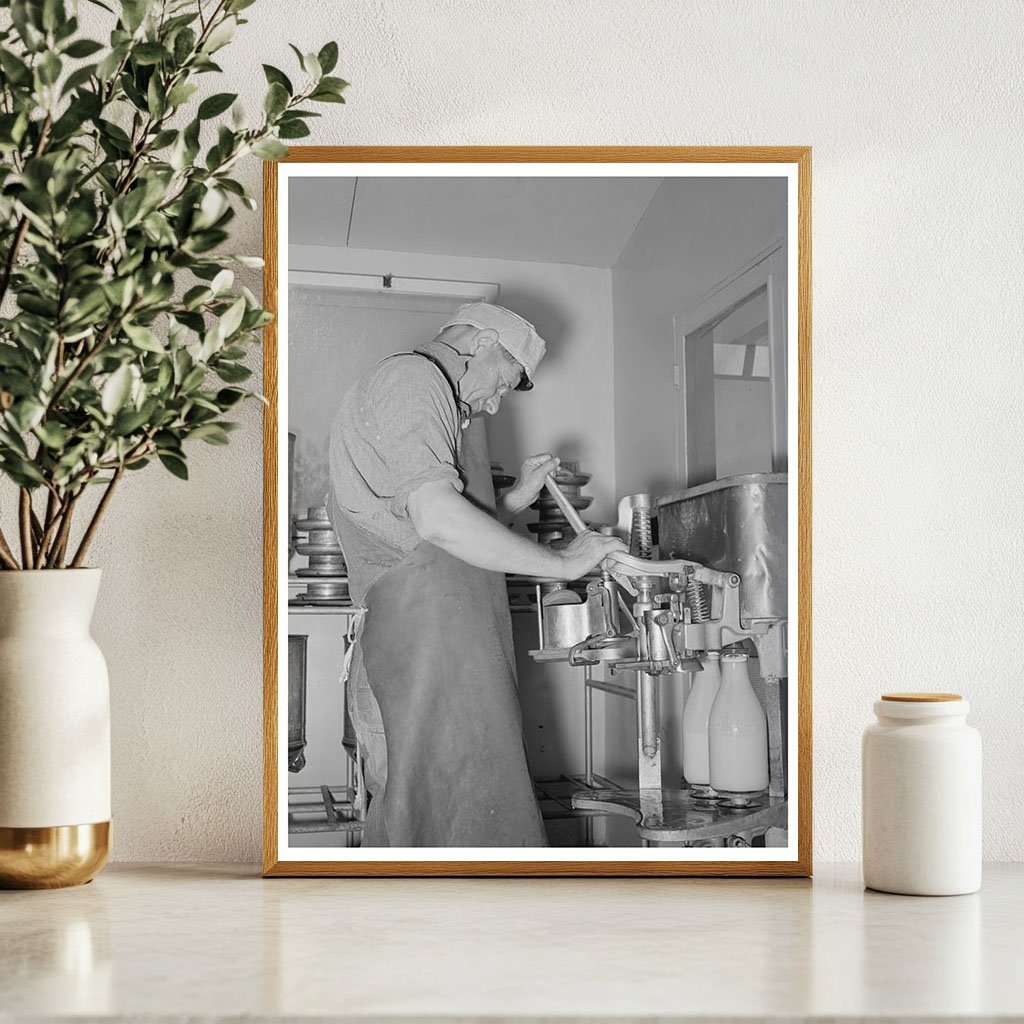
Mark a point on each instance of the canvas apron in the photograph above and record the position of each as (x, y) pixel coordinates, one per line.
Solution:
(435, 655)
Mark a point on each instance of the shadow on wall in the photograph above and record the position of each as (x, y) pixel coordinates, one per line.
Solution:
(312, 473)
(552, 324)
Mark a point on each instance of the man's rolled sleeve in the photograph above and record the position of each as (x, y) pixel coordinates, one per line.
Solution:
(415, 423)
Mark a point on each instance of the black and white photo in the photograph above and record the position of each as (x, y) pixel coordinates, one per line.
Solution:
(537, 533)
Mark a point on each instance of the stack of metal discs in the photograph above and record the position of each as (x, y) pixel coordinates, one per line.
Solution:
(326, 571)
(551, 526)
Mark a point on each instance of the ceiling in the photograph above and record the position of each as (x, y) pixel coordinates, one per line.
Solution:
(582, 221)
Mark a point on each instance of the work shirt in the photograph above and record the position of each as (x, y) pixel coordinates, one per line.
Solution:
(398, 427)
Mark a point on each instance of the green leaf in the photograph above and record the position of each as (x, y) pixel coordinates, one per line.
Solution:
(234, 6)
(21, 471)
(14, 68)
(293, 130)
(162, 139)
(78, 78)
(116, 134)
(83, 48)
(335, 84)
(276, 100)
(164, 376)
(128, 421)
(222, 282)
(193, 379)
(232, 319)
(10, 355)
(149, 53)
(144, 338)
(276, 77)
(26, 414)
(49, 68)
(175, 464)
(232, 373)
(227, 397)
(311, 66)
(156, 98)
(326, 96)
(133, 13)
(184, 44)
(328, 57)
(195, 296)
(216, 104)
(109, 65)
(269, 149)
(116, 390)
(221, 35)
(181, 93)
(25, 17)
(256, 262)
(38, 305)
(53, 435)
(211, 433)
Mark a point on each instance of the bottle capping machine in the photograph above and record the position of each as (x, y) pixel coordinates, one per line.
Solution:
(720, 582)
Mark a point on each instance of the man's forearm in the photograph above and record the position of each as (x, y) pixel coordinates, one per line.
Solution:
(443, 517)
(509, 505)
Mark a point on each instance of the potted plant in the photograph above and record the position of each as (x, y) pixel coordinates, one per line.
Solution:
(122, 340)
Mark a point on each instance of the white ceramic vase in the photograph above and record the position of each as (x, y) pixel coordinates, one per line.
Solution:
(54, 731)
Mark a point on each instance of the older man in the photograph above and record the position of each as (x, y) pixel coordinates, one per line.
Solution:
(432, 686)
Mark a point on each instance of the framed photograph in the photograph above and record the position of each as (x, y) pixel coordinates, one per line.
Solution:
(537, 520)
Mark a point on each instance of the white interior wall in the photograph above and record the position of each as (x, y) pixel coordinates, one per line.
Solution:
(694, 234)
(913, 112)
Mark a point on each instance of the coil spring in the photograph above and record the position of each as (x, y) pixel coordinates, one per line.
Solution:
(697, 601)
(641, 543)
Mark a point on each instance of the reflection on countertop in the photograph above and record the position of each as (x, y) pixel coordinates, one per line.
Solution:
(180, 940)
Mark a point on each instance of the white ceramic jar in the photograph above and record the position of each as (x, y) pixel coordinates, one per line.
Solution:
(921, 795)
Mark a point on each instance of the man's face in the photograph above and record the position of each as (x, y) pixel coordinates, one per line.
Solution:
(490, 375)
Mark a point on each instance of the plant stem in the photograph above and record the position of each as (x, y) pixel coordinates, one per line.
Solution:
(19, 234)
(51, 525)
(60, 544)
(37, 531)
(6, 555)
(97, 516)
(25, 522)
(85, 359)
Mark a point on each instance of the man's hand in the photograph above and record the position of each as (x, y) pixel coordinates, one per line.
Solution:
(586, 551)
(530, 483)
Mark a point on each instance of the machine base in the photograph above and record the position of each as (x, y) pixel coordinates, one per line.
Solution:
(678, 816)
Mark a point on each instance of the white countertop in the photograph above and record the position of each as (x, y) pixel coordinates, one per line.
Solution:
(182, 940)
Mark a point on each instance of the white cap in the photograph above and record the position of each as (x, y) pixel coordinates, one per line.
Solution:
(517, 336)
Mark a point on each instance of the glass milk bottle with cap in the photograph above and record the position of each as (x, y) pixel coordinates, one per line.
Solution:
(703, 691)
(921, 791)
(737, 732)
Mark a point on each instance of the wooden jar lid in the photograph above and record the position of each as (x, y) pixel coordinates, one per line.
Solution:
(920, 698)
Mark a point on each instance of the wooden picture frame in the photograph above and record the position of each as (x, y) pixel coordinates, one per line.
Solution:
(791, 162)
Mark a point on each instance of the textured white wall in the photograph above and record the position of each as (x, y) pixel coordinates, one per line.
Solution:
(914, 113)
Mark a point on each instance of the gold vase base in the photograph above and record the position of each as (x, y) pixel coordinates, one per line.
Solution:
(53, 857)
